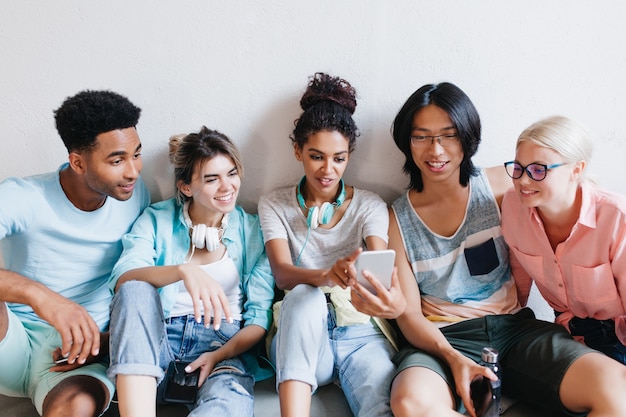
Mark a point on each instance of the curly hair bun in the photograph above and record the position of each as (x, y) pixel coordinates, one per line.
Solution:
(324, 87)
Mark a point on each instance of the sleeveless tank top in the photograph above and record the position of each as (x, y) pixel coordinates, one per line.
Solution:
(467, 274)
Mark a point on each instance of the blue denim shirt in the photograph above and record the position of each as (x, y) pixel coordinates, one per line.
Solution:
(161, 237)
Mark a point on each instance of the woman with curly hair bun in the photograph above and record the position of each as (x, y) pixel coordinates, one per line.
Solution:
(313, 232)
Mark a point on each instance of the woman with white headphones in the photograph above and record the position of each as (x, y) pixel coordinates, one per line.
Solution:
(313, 233)
(194, 291)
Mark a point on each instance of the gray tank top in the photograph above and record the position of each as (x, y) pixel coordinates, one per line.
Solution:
(468, 267)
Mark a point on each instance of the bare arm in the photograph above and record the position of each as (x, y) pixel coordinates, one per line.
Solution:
(423, 334)
(418, 330)
(499, 181)
(241, 342)
(287, 275)
(523, 281)
(158, 276)
(200, 286)
(79, 332)
(387, 303)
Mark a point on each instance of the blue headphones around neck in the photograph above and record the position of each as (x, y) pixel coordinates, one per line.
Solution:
(320, 215)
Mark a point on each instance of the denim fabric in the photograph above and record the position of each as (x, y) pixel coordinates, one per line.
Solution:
(310, 347)
(599, 335)
(142, 342)
(160, 236)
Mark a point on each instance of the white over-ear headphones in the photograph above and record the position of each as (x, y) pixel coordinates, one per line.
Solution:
(202, 235)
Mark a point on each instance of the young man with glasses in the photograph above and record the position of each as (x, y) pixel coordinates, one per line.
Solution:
(460, 294)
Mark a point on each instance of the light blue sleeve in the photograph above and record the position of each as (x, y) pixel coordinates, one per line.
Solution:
(259, 281)
(138, 247)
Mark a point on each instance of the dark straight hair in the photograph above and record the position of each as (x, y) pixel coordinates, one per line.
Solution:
(463, 114)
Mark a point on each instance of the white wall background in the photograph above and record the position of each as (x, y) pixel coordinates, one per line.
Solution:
(241, 66)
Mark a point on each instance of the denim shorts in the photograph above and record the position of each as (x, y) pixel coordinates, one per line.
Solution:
(534, 355)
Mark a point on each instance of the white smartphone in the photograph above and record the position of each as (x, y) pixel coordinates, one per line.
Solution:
(62, 361)
(378, 263)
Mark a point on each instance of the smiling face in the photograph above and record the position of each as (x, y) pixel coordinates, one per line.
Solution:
(324, 157)
(112, 166)
(213, 190)
(437, 161)
(557, 190)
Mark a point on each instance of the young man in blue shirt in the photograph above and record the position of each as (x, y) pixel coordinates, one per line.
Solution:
(60, 237)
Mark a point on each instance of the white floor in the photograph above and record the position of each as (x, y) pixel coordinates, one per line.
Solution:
(328, 402)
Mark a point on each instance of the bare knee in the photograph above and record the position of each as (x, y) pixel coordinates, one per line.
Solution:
(79, 396)
(404, 405)
(590, 384)
(407, 403)
(420, 392)
(612, 378)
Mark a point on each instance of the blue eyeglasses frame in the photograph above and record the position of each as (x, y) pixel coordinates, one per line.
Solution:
(543, 169)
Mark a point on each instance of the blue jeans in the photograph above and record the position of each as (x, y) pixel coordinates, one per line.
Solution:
(142, 342)
(311, 348)
(599, 335)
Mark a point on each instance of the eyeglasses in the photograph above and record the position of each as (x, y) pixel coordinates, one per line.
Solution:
(448, 139)
(536, 172)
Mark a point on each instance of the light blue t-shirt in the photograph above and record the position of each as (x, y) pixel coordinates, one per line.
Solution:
(44, 237)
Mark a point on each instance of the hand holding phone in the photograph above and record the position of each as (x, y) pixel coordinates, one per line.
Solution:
(180, 386)
(59, 359)
(481, 394)
(378, 263)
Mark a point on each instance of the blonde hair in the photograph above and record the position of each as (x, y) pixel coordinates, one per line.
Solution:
(564, 135)
(188, 151)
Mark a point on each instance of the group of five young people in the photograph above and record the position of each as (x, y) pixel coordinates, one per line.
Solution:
(195, 279)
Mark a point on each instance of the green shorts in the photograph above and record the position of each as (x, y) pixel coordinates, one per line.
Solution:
(534, 355)
(26, 357)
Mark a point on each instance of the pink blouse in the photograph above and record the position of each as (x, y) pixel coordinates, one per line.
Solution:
(586, 275)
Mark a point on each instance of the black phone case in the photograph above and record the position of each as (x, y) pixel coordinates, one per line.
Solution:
(180, 386)
(481, 394)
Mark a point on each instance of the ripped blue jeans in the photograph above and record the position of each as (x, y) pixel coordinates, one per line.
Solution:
(143, 342)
